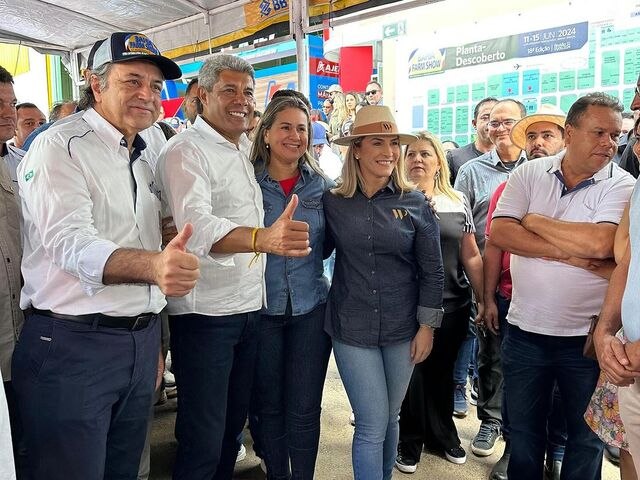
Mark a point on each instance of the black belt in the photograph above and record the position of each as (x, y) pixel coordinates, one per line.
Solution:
(129, 323)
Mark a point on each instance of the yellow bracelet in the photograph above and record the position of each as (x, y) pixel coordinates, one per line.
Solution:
(254, 237)
(256, 256)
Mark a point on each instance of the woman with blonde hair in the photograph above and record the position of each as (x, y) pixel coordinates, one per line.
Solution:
(338, 116)
(352, 101)
(386, 296)
(427, 410)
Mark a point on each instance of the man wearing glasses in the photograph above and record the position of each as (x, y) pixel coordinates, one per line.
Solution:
(478, 179)
(373, 93)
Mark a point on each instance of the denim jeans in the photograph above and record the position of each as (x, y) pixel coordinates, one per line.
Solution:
(376, 380)
(533, 363)
(467, 355)
(213, 360)
(85, 393)
(293, 353)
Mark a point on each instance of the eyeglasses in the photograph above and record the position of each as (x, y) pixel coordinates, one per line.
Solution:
(371, 92)
(508, 123)
(638, 90)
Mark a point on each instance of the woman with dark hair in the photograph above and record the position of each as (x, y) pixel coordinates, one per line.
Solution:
(386, 295)
(293, 349)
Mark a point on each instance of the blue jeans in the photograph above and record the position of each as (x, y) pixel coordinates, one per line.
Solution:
(376, 380)
(533, 363)
(467, 354)
(85, 394)
(293, 353)
(213, 360)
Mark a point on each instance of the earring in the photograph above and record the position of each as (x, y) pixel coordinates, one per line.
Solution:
(268, 146)
(437, 175)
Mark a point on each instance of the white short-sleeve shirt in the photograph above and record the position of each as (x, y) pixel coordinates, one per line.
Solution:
(549, 297)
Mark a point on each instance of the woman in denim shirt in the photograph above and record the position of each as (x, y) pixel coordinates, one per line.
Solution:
(386, 295)
(293, 349)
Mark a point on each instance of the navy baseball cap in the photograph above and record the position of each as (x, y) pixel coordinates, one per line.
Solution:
(127, 46)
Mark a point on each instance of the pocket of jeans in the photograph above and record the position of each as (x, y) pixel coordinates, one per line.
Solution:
(34, 348)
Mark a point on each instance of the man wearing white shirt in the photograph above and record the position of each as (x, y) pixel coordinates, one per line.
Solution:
(557, 217)
(207, 180)
(86, 365)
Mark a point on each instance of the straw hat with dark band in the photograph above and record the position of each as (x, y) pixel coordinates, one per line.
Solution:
(546, 113)
(376, 121)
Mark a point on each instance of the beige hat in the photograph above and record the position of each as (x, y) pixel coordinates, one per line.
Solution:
(375, 120)
(546, 113)
(334, 88)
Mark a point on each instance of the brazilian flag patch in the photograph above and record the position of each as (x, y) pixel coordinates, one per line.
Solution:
(28, 176)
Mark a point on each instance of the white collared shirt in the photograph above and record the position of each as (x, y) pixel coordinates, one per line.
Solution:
(209, 182)
(81, 200)
(550, 297)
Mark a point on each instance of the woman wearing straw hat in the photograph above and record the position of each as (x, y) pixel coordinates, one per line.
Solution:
(293, 349)
(386, 295)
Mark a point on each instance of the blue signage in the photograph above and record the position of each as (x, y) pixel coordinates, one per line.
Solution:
(553, 40)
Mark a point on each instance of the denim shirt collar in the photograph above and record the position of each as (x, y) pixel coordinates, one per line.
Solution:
(263, 177)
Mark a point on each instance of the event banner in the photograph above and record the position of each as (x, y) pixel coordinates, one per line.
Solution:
(540, 42)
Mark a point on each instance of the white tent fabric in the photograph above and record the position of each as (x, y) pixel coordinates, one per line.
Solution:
(64, 26)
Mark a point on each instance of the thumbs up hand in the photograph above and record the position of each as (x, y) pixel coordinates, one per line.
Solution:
(286, 237)
(177, 271)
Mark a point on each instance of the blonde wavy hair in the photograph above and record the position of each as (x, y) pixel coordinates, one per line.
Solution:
(442, 182)
(351, 177)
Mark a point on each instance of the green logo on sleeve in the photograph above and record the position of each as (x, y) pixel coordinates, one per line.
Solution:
(28, 176)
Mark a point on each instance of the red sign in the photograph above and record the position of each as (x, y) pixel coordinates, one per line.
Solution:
(324, 68)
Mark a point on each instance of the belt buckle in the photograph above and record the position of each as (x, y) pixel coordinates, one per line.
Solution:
(137, 323)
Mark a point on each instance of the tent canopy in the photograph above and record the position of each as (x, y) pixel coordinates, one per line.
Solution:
(73, 25)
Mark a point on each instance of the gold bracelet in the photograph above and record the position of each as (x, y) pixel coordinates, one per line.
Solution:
(256, 254)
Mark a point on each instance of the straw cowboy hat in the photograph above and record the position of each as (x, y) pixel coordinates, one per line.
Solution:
(375, 120)
(546, 113)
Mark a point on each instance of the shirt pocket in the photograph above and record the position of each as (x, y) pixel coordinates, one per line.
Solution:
(9, 204)
(313, 214)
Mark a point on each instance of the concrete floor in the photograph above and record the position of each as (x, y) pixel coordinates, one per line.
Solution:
(334, 459)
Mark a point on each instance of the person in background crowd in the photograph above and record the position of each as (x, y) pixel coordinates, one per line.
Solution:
(539, 135)
(480, 145)
(373, 93)
(627, 124)
(339, 115)
(557, 217)
(11, 317)
(333, 89)
(293, 349)
(29, 118)
(191, 105)
(426, 415)
(467, 355)
(478, 179)
(288, 92)
(59, 110)
(628, 160)
(449, 145)
(94, 278)
(327, 108)
(207, 179)
(329, 162)
(386, 295)
(352, 101)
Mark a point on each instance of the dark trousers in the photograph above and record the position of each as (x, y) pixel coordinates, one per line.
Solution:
(426, 417)
(556, 424)
(213, 361)
(490, 381)
(533, 363)
(293, 353)
(84, 394)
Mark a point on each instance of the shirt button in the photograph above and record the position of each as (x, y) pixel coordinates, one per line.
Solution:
(370, 254)
(373, 272)
(375, 310)
(375, 291)
(368, 237)
(368, 218)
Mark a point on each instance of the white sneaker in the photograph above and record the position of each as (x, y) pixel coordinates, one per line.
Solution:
(169, 379)
(242, 453)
